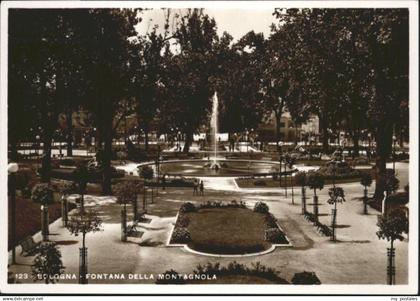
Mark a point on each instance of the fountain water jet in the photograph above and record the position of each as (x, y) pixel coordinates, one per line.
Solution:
(214, 130)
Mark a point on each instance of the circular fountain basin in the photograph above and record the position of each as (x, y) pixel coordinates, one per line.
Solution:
(226, 168)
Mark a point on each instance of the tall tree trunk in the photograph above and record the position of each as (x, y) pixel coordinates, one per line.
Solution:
(277, 115)
(356, 138)
(383, 150)
(46, 156)
(146, 138)
(325, 145)
(106, 157)
(188, 140)
(69, 133)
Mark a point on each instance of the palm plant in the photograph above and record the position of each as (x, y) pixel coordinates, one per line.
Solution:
(336, 195)
(391, 228)
(66, 189)
(301, 180)
(81, 178)
(365, 181)
(83, 221)
(315, 181)
(43, 194)
(127, 192)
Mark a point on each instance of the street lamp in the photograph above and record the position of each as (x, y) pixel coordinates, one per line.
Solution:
(158, 166)
(247, 140)
(369, 141)
(12, 169)
(394, 140)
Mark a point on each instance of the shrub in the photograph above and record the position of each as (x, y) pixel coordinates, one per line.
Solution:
(300, 178)
(171, 277)
(274, 235)
(67, 187)
(305, 278)
(324, 229)
(338, 170)
(187, 207)
(260, 183)
(181, 235)
(234, 268)
(25, 181)
(121, 155)
(336, 195)
(315, 180)
(365, 179)
(391, 183)
(271, 221)
(127, 191)
(261, 207)
(47, 263)
(182, 221)
(220, 204)
(146, 172)
(42, 194)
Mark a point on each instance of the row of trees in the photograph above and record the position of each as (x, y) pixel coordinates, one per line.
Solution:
(339, 64)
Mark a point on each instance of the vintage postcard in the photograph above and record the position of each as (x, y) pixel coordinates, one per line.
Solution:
(243, 147)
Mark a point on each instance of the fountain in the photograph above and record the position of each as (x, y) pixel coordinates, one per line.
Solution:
(214, 130)
(217, 165)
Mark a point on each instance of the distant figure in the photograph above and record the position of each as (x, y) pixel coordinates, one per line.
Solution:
(216, 168)
(201, 188)
(163, 182)
(195, 192)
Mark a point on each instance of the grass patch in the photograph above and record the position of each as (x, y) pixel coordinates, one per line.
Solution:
(28, 218)
(226, 230)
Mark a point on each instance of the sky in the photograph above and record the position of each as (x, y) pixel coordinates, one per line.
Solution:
(237, 22)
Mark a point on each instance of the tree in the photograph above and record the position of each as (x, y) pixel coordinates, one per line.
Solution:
(81, 178)
(146, 172)
(315, 181)
(388, 60)
(66, 189)
(43, 195)
(239, 91)
(301, 180)
(49, 72)
(47, 264)
(316, 34)
(365, 181)
(191, 72)
(336, 195)
(391, 228)
(147, 65)
(107, 74)
(127, 192)
(83, 221)
(391, 184)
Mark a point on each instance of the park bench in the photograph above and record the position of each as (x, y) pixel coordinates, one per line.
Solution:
(29, 246)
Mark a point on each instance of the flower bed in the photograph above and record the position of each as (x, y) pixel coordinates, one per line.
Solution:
(226, 228)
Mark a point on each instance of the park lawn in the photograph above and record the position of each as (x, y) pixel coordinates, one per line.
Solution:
(227, 231)
(269, 182)
(28, 218)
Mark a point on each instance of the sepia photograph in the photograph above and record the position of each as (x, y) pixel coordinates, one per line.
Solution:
(209, 147)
